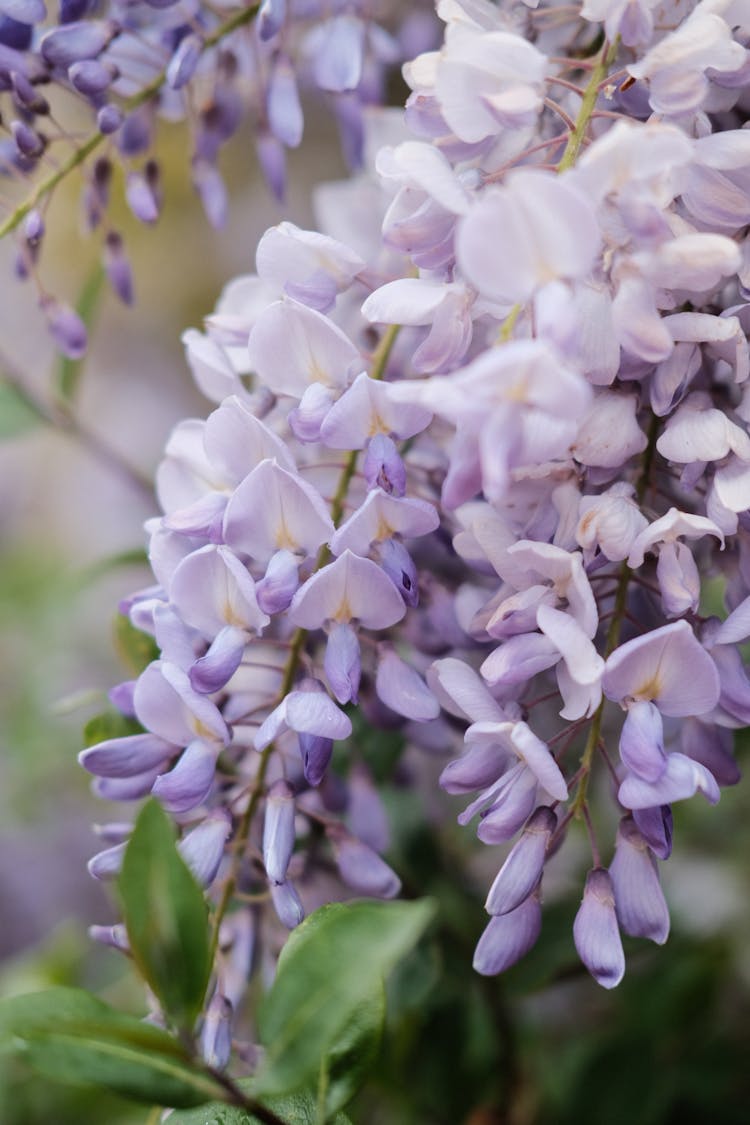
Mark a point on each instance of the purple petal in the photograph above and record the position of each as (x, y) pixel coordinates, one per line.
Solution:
(682, 778)
(278, 831)
(361, 868)
(595, 931)
(655, 825)
(286, 903)
(343, 662)
(383, 466)
(508, 937)
(639, 900)
(216, 668)
(189, 782)
(518, 659)
(315, 751)
(402, 689)
(401, 569)
(347, 589)
(216, 1032)
(642, 741)
(513, 803)
(203, 847)
(279, 584)
(522, 869)
(668, 666)
(128, 756)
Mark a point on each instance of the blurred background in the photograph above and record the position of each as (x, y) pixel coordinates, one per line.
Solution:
(544, 1043)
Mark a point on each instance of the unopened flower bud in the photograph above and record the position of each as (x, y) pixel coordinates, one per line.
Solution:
(216, 1033)
(286, 903)
(184, 61)
(595, 931)
(399, 566)
(639, 900)
(508, 937)
(109, 119)
(28, 142)
(278, 831)
(360, 867)
(383, 466)
(203, 847)
(66, 328)
(118, 268)
(83, 39)
(522, 869)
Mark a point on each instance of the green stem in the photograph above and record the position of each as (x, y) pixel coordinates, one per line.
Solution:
(92, 143)
(320, 1104)
(598, 74)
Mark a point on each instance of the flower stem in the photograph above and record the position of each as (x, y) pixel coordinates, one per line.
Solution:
(598, 75)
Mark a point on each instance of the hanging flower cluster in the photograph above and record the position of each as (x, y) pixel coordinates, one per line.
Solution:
(124, 64)
(474, 449)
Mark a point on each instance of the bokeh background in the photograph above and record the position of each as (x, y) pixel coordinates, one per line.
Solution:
(544, 1044)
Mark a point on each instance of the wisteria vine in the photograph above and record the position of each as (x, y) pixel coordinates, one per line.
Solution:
(476, 444)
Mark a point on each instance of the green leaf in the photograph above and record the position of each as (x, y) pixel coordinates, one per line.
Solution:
(109, 724)
(69, 371)
(135, 649)
(298, 1109)
(331, 966)
(166, 917)
(355, 1049)
(70, 1035)
(17, 412)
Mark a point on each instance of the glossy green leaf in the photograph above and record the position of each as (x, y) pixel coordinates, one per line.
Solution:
(71, 1036)
(298, 1109)
(135, 649)
(17, 413)
(166, 917)
(354, 1051)
(331, 967)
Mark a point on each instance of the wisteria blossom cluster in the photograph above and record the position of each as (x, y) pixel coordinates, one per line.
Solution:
(121, 65)
(476, 444)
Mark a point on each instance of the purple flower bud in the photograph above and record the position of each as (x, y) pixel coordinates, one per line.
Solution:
(272, 162)
(399, 566)
(71, 10)
(655, 825)
(27, 95)
(523, 867)
(83, 39)
(107, 864)
(126, 757)
(216, 1033)
(360, 867)
(203, 847)
(118, 268)
(28, 141)
(114, 936)
(15, 35)
(365, 812)
(208, 182)
(279, 584)
(271, 15)
(278, 831)
(121, 697)
(184, 61)
(316, 754)
(285, 118)
(286, 903)
(342, 662)
(24, 11)
(595, 931)
(90, 77)
(383, 466)
(639, 899)
(109, 119)
(508, 937)
(66, 328)
(33, 228)
(141, 199)
(137, 132)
